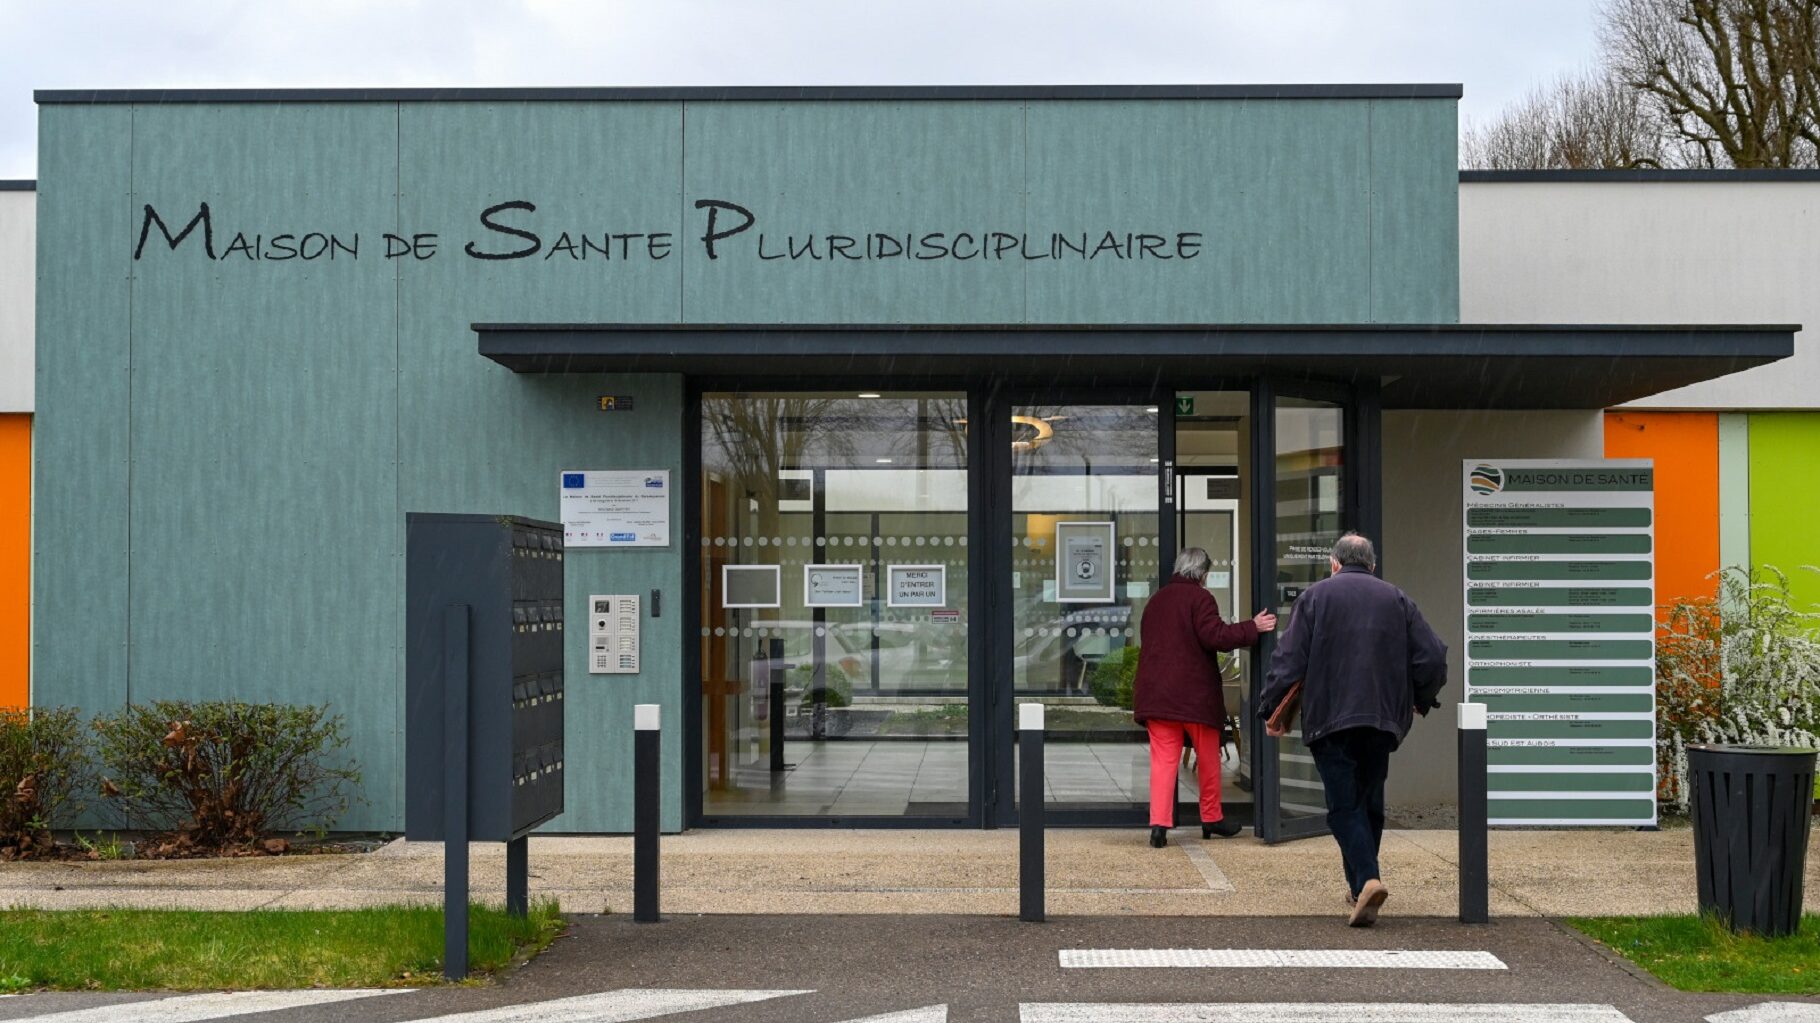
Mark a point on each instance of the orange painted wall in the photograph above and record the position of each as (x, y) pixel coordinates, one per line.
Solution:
(15, 559)
(1685, 446)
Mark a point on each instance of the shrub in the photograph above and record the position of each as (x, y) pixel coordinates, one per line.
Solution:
(218, 775)
(1744, 668)
(1113, 679)
(838, 691)
(43, 764)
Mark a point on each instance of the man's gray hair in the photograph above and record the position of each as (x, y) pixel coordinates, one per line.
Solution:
(1355, 551)
(1193, 563)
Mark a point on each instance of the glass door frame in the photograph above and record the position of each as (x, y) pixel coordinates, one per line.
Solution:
(990, 687)
(1362, 510)
(992, 574)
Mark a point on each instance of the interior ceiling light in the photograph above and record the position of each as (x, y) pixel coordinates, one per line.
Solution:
(882, 461)
(1035, 433)
(869, 394)
(1152, 410)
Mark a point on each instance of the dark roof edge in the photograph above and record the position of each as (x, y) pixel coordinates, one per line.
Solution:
(1141, 328)
(758, 92)
(18, 185)
(1532, 176)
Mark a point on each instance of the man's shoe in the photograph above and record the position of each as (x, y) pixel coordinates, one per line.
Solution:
(1159, 837)
(1371, 899)
(1222, 827)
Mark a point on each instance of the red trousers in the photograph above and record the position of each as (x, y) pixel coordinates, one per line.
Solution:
(1166, 758)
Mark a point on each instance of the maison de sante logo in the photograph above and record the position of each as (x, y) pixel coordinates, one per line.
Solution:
(521, 230)
(1485, 480)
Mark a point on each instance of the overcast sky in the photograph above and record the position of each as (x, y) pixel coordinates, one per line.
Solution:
(1497, 49)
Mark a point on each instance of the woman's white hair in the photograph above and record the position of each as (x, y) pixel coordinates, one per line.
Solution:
(1194, 563)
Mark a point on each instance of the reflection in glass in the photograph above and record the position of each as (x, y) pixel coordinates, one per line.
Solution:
(1087, 464)
(835, 710)
(1310, 450)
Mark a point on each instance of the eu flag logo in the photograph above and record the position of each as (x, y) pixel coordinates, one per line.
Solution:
(572, 480)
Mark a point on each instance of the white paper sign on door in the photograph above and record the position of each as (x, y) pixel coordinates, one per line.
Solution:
(917, 586)
(1083, 562)
(833, 586)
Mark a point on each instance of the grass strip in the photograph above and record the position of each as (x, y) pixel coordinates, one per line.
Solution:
(1698, 954)
(180, 950)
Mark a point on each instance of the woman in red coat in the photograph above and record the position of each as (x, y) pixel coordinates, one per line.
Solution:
(1177, 690)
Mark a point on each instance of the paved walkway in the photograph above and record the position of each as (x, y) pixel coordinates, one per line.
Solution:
(1091, 872)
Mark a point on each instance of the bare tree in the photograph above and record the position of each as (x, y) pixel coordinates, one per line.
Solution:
(1736, 81)
(1577, 122)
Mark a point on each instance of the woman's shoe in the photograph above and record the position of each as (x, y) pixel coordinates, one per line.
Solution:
(1159, 837)
(1222, 827)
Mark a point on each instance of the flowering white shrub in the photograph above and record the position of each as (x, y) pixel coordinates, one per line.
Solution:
(1743, 669)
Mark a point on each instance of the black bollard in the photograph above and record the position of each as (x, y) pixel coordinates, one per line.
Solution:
(1475, 866)
(647, 798)
(1030, 812)
(518, 876)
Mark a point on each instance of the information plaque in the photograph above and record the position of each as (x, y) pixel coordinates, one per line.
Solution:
(1560, 637)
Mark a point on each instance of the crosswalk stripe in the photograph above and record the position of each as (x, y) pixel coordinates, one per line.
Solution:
(206, 1006)
(1277, 958)
(1770, 1012)
(1337, 1012)
(619, 1006)
(926, 1014)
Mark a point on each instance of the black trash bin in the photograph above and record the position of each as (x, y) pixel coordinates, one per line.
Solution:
(1751, 806)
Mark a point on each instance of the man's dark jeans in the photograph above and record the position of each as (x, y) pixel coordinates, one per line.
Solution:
(1354, 763)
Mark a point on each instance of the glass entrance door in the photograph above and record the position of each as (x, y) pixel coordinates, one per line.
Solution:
(1311, 442)
(1086, 554)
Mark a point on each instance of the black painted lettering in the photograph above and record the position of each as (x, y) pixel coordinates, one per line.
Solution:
(1110, 241)
(242, 246)
(878, 247)
(842, 244)
(202, 217)
(322, 245)
(1023, 248)
(337, 245)
(1152, 245)
(1185, 249)
(807, 249)
(1066, 242)
(1003, 243)
(395, 245)
(657, 246)
(281, 248)
(957, 246)
(762, 254)
(625, 241)
(709, 235)
(423, 245)
(487, 221)
(932, 244)
(566, 245)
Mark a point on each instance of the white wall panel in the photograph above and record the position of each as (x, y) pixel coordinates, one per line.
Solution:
(1651, 253)
(18, 242)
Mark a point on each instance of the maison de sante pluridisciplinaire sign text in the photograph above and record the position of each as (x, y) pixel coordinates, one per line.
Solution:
(518, 230)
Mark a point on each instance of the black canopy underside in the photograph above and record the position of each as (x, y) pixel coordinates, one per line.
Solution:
(1439, 366)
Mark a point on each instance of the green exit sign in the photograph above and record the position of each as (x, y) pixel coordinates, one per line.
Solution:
(1184, 404)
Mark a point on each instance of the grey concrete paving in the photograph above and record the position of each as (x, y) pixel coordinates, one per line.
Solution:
(1091, 872)
(984, 968)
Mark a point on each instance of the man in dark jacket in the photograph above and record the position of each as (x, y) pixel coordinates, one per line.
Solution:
(1367, 663)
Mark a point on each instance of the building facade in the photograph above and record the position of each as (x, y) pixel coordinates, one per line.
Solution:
(18, 243)
(929, 386)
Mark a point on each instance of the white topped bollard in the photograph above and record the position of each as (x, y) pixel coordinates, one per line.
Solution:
(1475, 867)
(1030, 812)
(647, 801)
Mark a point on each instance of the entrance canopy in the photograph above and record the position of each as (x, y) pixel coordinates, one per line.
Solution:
(1437, 366)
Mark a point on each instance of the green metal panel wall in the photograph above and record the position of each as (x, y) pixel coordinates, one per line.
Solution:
(1784, 492)
(226, 448)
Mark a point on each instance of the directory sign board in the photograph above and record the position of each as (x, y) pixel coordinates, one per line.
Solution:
(1560, 636)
